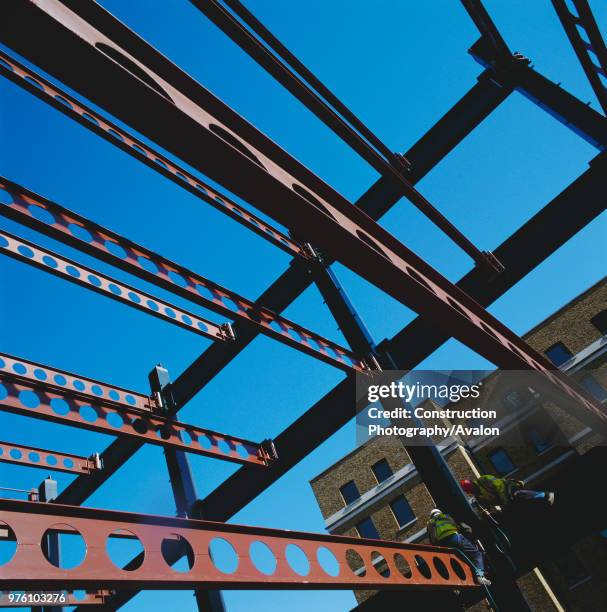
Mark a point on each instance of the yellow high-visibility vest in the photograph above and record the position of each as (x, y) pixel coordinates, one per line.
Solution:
(440, 527)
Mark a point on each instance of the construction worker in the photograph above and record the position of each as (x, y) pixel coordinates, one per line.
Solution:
(444, 531)
(491, 492)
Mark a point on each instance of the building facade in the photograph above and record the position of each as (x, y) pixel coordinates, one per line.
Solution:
(375, 491)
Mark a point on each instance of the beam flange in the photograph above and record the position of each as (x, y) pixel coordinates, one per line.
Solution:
(353, 562)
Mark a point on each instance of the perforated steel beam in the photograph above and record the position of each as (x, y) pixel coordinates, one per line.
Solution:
(56, 221)
(127, 142)
(409, 565)
(590, 50)
(48, 459)
(33, 390)
(83, 276)
(187, 120)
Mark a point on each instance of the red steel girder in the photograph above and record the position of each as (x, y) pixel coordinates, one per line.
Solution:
(28, 599)
(586, 47)
(48, 459)
(101, 58)
(52, 219)
(409, 565)
(49, 261)
(118, 136)
(33, 390)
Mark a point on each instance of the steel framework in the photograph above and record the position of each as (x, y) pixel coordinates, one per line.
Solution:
(104, 61)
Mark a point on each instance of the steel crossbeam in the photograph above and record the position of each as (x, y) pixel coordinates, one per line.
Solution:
(33, 390)
(67, 269)
(186, 119)
(352, 562)
(52, 219)
(585, 38)
(120, 137)
(47, 459)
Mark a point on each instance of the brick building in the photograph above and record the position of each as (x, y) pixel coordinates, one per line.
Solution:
(375, 491)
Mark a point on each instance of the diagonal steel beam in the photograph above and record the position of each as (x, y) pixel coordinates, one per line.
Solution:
(33, 390)
(44, 259)
(352, 562)
(86, 116)
(33, 456)
(57, 222)
(186, 119)
(573, 24)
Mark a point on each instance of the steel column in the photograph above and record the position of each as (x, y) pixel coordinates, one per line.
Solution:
(182, 482)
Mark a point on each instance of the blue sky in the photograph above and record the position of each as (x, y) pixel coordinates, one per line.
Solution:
(399, 66)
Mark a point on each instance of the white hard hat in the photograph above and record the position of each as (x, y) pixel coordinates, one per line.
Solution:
(435, 512)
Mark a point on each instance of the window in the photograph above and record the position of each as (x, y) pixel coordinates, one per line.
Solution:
(382, 471)
(349, 492)
(402, 511)
(501, 462)
(366, 529)
(600, 321)
(539, 440)
(592, 385)
(558, 353)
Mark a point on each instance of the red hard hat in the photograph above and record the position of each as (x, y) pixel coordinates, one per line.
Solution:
(466, 485)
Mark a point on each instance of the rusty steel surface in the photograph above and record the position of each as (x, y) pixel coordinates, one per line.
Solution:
(32, 397)
(181, 113)
(67, 269)
(48, 217)
(118, 136)
(589, 47)
(26, 599)
(353, 562)
(47, 459)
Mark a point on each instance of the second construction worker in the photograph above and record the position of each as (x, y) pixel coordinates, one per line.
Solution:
(444, 531)
(491, 492)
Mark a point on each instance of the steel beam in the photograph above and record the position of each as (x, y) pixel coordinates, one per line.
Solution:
(86, 116)
(409, 565)
(389, 165)
(27, 395)
(186, 119)
(51, 460)
(44, 259)
(50, 218)
(594, 43)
